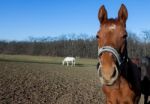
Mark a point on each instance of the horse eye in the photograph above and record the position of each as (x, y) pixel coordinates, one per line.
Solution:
(125, 36)
(97, 36)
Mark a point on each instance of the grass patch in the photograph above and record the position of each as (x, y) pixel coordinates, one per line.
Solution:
(45, 59)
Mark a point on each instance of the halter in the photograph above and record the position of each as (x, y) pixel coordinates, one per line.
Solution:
(120, 61)
(113, 51)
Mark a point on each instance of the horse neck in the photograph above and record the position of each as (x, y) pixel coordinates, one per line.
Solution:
(131, 73)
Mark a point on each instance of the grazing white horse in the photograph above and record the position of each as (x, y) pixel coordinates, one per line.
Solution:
(69, 60)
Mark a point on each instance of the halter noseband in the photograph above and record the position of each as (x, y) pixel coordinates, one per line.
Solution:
(120, 62)
(113, 51)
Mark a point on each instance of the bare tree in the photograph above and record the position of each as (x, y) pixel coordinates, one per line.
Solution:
(65, 46)
(146, 37)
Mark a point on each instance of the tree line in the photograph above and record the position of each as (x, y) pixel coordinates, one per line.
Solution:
(79, 47)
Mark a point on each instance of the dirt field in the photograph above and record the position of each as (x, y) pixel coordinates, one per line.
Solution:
(24, 80)
(40, 83)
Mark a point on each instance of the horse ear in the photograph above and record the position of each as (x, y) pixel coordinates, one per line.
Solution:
(123, 13)
(102, 14)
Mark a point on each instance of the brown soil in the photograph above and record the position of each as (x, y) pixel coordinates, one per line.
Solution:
(34, 83)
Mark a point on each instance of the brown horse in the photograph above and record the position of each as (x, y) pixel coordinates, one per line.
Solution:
(145, 78)
(143, 64)
(119, 76)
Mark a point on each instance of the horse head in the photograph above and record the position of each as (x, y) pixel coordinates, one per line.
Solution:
(112, 50)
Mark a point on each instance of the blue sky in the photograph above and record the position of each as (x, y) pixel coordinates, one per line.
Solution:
(21, 19)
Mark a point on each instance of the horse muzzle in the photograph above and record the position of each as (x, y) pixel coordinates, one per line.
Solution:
(108, 79)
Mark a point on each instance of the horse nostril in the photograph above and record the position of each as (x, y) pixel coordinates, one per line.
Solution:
(114, 73)
(98, 64)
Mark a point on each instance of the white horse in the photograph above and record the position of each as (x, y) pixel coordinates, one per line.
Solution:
(69, 60)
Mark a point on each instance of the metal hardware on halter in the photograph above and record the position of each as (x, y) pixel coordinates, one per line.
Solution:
(112, 50)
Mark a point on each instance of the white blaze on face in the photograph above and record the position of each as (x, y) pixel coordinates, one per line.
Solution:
(112, 27)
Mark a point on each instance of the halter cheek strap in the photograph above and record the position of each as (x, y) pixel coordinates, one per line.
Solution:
(112, 50)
